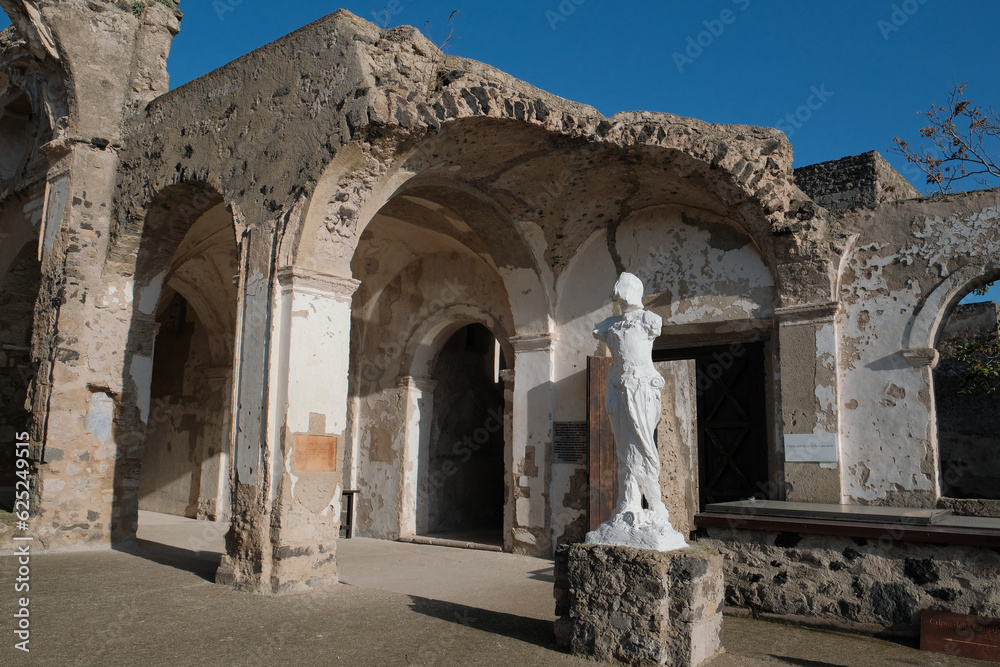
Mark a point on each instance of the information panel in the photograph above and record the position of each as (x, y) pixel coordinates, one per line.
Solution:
(569, 442)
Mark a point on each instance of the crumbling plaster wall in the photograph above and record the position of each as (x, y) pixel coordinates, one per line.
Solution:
(911, 262)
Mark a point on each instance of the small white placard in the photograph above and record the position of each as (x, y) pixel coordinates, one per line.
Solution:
(811, 448)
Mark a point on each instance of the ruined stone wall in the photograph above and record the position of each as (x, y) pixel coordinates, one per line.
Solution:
(305, 158)
(911, 262)
(855, 583)
(857, 181)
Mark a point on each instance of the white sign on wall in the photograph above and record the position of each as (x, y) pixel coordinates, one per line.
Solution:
(811, 448)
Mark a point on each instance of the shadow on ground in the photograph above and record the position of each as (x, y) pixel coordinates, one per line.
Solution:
(805, 663)
(203, 564)
(530, 630)
(545, 574)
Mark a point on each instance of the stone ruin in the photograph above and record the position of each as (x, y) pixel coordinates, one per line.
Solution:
(349, 261)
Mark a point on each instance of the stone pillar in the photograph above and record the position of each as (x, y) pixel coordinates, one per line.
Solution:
(248, 560)
(807, 349)
(306, 419)
(639, 606)
(531, 445)
(418, 403)
(87, 435)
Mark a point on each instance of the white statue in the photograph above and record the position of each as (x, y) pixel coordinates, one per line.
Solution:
(633, 403)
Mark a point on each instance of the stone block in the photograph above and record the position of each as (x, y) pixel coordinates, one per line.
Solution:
(638, 606)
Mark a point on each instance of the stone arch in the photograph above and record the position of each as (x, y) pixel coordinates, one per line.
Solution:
(963, 427)
(429, 389)
(354, 189)
(922, 333)
(176, 260)
(425, 342)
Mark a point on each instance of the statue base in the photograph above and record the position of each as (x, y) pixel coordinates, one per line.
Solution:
(637, 606)
(644, 529)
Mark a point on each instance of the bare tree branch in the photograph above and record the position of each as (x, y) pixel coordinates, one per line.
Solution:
(961, 142)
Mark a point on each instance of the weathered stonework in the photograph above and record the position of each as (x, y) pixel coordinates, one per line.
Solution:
(637, 606)
(860, 181)
(866, 585)
(239, 292)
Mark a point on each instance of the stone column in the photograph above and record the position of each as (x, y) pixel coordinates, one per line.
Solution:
(307, 423)
(248, 560)
(291, 418)
(807, 349)
(531, 446)
(418, 403)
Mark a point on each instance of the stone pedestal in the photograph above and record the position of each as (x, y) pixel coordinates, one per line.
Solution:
(638, 606)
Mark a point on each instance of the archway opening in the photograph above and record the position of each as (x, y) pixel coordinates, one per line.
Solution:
(966, 393)
(186, 459)
(464, 464)
(18, 294)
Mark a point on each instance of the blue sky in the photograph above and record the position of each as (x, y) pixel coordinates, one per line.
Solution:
(868, 67)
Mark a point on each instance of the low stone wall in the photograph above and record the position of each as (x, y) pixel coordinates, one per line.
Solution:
(874, 586)
(638, 606)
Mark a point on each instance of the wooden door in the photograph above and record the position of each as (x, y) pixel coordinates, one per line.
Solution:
(603, 478)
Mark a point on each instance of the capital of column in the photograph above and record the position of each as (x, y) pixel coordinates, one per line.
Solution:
(536, 342)
(310, 281)
(425, 385)
(807, 313)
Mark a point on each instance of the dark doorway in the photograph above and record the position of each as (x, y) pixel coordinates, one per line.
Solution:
(465, 464)
(17, 303)
(732, 423)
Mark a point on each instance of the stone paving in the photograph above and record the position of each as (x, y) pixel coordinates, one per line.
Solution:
(398, 604)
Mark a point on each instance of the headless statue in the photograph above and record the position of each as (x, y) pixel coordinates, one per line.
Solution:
(633, 404)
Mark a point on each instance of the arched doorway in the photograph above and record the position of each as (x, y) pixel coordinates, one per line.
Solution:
(966, 393)
(186, 459)
(18, 294)
(425, 279)
(462, 495)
